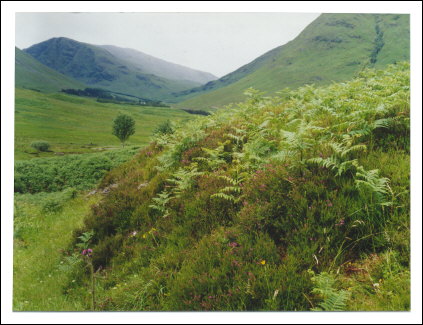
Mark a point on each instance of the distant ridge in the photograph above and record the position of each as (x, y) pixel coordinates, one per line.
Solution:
(96, 66)
(159, 67)
(332, 48)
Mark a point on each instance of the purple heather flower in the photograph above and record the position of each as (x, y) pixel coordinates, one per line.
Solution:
(341, 223)
(84, 252)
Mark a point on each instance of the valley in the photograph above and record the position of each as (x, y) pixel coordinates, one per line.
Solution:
(281, 186)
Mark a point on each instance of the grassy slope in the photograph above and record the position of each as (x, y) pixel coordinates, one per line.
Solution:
(97, 67)
(260, 195)
(69, 123)
(39, 237)
(332, 48)
(29, 73)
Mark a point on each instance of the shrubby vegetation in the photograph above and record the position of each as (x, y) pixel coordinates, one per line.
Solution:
(297, 202)
(77, 171)
(40, 145)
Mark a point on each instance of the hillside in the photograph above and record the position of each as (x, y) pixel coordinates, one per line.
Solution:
(158, 67)
(31, 74)
(95, 66)
(75, 124)
(334, 47)
(292, 203)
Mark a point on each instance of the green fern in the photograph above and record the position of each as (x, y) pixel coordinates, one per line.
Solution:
(161, 201)
(372, 187)
(183, 180)
(333, 299)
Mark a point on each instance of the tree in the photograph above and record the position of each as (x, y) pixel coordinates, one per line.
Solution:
(123, 127)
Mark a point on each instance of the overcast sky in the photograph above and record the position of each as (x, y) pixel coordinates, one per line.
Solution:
(218, 43)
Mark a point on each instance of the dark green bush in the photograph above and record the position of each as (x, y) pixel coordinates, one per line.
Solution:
(40, 145)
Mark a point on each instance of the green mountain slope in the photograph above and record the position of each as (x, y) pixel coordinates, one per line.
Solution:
(287, 204)
(158, 67)
(97, 67)
(31, 74)
(332, 48)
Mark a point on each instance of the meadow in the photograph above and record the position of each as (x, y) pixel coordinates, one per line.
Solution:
(76, 125)
(287, 203)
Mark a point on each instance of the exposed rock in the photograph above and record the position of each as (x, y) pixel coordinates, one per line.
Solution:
(142, 185)
(92, 192)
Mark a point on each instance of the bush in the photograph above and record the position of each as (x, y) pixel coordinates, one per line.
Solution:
(40, 145)
(164, 128)
(58, 173)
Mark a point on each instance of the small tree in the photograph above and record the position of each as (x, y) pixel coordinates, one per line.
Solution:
(123, 127)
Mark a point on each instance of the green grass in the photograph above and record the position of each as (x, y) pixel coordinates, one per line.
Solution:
(332, 48)
(40, 236)
(79, 125)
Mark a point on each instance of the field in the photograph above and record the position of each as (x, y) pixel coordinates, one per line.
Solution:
(79, 125)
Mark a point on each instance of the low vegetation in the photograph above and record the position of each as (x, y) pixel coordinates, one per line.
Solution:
(54, 174)
(295, 202)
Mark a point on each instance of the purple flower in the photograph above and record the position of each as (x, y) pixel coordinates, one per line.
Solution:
(84, 252)
(233, 244)
(340, 223)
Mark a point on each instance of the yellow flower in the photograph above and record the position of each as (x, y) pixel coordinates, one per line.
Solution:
(263, 262)
(144, 236)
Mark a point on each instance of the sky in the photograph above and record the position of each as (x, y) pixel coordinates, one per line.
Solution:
(218, 43)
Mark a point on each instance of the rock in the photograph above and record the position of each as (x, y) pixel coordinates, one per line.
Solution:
(142, 185)
(92, 192)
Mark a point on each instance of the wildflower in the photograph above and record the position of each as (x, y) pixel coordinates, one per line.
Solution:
(84, 252)
(340, 223)
(134, 233)
(233, 244)
(89, 252)
(263, 262)
(329, 204)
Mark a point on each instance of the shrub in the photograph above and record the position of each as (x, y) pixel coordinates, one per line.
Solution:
(164, 128)
(40, 145)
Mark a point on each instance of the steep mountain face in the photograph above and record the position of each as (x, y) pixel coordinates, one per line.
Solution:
(158, 67)
(31, 74)
(98, 67)
(332, 48)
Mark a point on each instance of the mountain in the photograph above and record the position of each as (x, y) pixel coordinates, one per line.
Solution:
(96, 66)
(31, 74)
(159, 67)
(334, 47)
